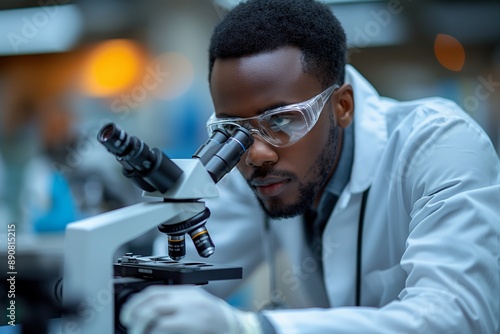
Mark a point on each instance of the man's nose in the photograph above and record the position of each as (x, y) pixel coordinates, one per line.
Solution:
(260, 153)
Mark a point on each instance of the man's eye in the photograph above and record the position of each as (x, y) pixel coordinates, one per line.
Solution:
(277, 122)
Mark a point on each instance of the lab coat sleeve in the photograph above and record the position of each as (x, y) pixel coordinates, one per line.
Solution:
(450, 181)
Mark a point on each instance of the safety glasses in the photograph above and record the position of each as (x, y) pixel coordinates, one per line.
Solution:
(281, 126)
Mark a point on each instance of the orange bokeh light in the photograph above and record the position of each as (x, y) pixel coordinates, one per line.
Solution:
(112, 67)
(449, 52)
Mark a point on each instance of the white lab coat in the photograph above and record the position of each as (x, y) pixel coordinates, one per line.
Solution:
(430, 259)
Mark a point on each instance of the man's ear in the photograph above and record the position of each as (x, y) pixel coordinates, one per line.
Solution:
(344, 105)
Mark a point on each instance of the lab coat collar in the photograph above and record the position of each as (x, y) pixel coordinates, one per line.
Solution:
(370, 132)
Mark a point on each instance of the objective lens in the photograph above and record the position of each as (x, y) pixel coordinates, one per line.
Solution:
(176, 247)
(202, 241)
(195, 227)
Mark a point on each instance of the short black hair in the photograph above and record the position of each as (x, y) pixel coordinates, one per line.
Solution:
(256, 26)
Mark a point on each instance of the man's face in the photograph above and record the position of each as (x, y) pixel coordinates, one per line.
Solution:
(286, 180)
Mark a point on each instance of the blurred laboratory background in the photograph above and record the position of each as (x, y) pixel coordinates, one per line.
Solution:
(68, 67)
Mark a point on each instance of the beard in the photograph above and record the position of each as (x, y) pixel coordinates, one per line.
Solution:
(317, 176)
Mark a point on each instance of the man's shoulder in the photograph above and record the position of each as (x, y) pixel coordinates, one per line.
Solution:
(425, 112)
(371, 105)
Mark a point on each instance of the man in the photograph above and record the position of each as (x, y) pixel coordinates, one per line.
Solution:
(384, 214)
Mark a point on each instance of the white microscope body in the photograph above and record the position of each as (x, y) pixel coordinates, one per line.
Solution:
(91, 243)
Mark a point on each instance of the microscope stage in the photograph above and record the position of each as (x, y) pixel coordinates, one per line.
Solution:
(163, 268)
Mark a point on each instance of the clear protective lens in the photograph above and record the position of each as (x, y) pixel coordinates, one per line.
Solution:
(230, 128)
(215, 124)
(282, 126)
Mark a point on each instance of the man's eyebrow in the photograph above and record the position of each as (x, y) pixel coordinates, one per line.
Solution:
(276, 105)
(225, 116)
(259, 112)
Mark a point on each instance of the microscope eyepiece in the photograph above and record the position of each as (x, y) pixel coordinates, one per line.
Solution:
(228, 155)
(211, 146)
(150, 169)
(107, 133)
(114, 139)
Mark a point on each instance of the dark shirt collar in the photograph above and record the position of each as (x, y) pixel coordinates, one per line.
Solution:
(342, 173)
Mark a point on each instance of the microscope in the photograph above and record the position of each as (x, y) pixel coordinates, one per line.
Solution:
(94, 286)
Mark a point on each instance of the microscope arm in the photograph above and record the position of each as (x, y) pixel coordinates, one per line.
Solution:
(89, 248)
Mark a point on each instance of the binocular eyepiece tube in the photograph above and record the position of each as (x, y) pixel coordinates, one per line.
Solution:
(229, 153)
